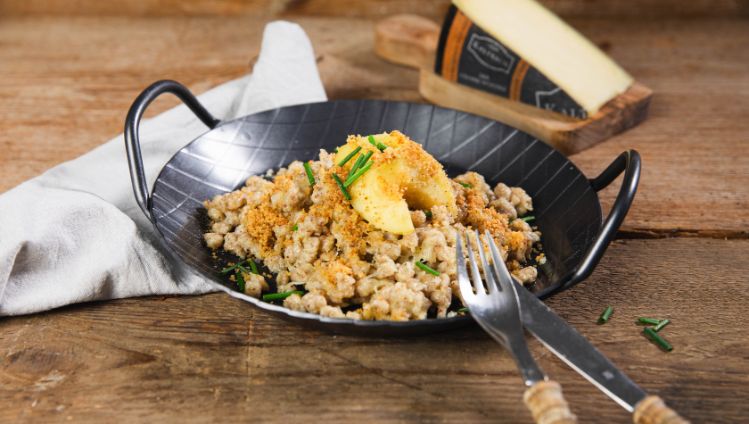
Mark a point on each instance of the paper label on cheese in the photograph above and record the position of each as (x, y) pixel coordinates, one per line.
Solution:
(468, 55)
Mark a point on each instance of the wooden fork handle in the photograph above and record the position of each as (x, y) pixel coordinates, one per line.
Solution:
(652, 410)
(547, 405)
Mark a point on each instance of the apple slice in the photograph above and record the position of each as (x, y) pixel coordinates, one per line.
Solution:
(402, 176)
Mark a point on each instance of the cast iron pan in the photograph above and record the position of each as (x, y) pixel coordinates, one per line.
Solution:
(567, 208)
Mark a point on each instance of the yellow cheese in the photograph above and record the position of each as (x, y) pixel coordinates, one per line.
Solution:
(562, 54)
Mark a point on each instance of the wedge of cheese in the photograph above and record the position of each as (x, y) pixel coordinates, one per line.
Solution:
(562, 54)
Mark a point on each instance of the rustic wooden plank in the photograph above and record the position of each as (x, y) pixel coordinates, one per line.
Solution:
(695, 178)
(59, 97)
(212, 358)
(361, 8)
(263, 8)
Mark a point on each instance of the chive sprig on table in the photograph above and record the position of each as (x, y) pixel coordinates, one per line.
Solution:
(655, 337)
(661, 324)
(606, 315)
(657, 324)
(652, 332)
(648, 321)
(528, 218)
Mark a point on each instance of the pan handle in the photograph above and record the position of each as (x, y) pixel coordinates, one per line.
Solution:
(132, 141)
(629, 163)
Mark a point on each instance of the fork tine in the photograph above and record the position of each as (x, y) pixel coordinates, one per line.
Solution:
(465, 286)
(504, 277)
(491, 284)
(475, 276)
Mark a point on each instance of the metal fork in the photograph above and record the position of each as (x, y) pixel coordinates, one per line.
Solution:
(497, 310)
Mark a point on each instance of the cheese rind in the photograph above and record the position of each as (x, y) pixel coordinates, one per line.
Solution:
(562, 54)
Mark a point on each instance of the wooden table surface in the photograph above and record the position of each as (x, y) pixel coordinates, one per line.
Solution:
(66, 83)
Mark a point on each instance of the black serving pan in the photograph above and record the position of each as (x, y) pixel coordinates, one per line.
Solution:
(567, 208)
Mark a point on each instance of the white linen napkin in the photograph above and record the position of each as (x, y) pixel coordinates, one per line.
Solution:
(75, 233)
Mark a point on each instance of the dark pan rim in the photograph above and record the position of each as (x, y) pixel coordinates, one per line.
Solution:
(628, 161)
(277, 309)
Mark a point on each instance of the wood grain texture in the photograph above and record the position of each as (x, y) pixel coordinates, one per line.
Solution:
(694, 142)
(257, 8)
(61, 97)
(361, 8)
(213, 358)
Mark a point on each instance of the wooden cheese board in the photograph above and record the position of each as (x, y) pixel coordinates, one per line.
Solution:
(412, 40)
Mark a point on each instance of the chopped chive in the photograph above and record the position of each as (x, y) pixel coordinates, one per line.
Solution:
(649, 321)
(349, 156)
(310, 177)
(366, 158)
(240, 281)
(376, 143)
(528, 218)
(295, 227)
(428, 214)
(466, 185)
(341, 186)
(229, 268)
(281, 296)
(253, 266)
(359, 172)
(424, 267)
(655, 337)
(605, 315)
(357, 163)
(661, 324)
(463, 309)
(360, 162)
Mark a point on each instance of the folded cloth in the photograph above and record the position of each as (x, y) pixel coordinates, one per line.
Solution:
(75, 233)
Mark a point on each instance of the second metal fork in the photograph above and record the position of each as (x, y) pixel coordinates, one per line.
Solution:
(496, 308)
